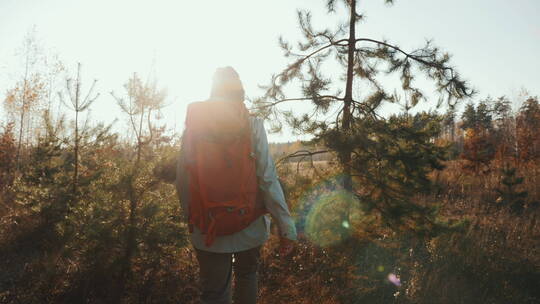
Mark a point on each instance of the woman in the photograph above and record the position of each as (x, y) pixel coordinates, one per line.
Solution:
(216, 259)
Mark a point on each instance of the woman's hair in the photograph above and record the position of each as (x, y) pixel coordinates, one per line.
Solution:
(226, 85)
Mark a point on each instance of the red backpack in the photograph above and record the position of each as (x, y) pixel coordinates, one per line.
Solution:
(223, 184)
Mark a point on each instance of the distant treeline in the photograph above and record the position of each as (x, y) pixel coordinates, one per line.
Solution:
(486, 131)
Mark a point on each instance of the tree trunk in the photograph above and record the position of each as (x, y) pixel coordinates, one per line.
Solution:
(76, 148)
(345, 155)
(76, 173)
(19, 144)
(23, 110)
(131, 244)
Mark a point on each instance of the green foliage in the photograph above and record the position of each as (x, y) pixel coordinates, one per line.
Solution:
(478, 151)
(48, 166)
(483, 115)
(479, 147)
(479, 117)
(468, 117)
(449, 119)
(502, 109)
(528, 131)
(392, 163)
(530, 110)
(7, 161)
(509, 195)
(88, 235)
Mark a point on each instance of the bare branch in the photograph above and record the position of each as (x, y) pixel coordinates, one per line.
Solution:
(305, 57)
(301, 153)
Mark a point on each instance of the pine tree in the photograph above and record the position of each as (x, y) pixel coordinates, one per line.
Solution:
(142, 101)
(478, 151)
(393, 166)
(449, 122)
(502, 111)
(528, 128)
(341, 121)
(478, 147)
(468, 117)
(38, 189)
(78, 105)
(8, 150)
(479, 118)
(483, 116)
(528, 138)
(504, 135)
(448, 135)
(509, 195)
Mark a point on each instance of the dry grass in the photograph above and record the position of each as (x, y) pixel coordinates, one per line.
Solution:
(494, 259)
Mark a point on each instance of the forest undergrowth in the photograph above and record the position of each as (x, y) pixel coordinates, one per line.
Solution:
(52, 255)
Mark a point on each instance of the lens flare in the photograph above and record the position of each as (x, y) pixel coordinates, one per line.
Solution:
(325, 212)
(394, 279)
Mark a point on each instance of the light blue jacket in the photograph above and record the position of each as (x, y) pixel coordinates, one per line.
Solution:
(258, 232)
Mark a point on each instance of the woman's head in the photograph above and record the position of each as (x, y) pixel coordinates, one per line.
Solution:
(226, 85)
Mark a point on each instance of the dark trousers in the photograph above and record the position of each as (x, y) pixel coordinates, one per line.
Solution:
(216, 271)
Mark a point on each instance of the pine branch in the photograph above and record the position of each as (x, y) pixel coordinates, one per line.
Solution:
(271, 104)
(408, 55)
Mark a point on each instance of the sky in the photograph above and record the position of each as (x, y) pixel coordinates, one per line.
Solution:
(494, 44)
